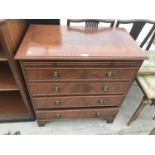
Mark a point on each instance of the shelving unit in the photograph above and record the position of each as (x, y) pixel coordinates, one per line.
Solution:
(15, 103)
(12, 106)
(7, 82)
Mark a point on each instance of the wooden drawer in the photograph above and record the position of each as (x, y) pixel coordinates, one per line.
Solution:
(41, 89)
(71, 74)
(105, 113)
(77, 101)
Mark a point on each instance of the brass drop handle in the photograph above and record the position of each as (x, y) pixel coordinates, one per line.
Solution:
(101, 101)
(58, 115)
(98, 114)
(56, 89)
(105, 88)
(109, 74)
(57, 102)
(56, 74)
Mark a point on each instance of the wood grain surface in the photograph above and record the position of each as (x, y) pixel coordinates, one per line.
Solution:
(46, 89)
(83, 74)
(60, 42)
(78, 101)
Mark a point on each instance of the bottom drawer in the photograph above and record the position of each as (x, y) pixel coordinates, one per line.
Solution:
(104, 113)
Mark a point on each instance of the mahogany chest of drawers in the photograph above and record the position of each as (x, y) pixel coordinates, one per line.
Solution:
(77, 73)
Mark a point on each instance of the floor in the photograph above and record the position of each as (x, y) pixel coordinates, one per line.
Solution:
(143, 125)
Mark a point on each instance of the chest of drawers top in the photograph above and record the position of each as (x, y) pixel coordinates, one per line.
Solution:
(47, 42)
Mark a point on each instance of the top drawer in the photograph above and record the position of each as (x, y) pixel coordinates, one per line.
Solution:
(71, 74)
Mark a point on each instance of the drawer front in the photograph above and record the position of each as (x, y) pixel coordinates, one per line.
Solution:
(77, 113)
(39, 89)
(78, 101)
(64, 74)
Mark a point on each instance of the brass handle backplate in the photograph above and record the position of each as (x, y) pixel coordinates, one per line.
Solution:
(109, 74)
(56, 74)
(58, 116)
(101, 101)
(105, 88)
(57, 102)
(98, 114)
(56, 89)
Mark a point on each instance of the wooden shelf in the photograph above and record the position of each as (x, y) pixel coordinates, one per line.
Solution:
(12, 106)
(2, 56)
(7, 82)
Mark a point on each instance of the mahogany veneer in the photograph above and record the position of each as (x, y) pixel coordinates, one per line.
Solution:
(89, 88)
(77, 101)
(76, 72)
(68, 74)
